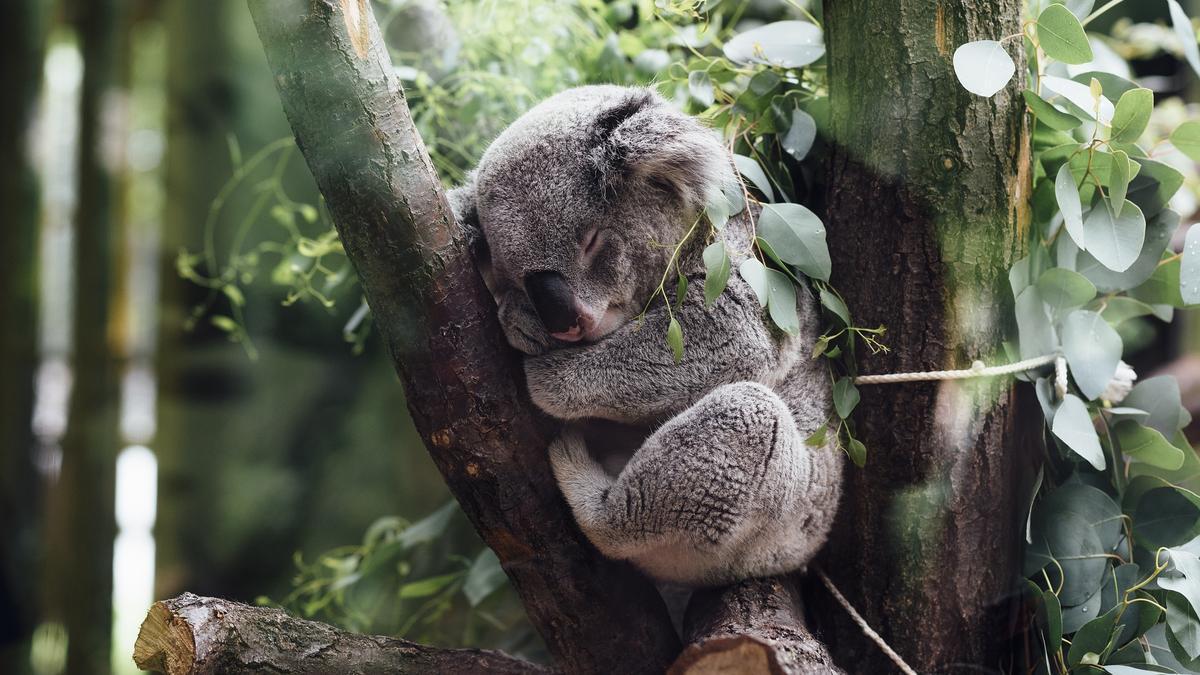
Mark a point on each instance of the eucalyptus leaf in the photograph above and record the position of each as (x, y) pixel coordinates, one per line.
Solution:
(485, 577)
(1079, 97)
(800, 135)
(1115, 240)
(1160, 397)
(1121, 309)
(755, 274)
(716, 275)
(675, 339)
(1186, 139)
(1093, 350)
(1186, 34)
(1094, 638)
(1063, 289)
(700, 86)
(1034, 328)
(983, 67)
(1132, 115)
(1158, 235)
(1073, 426)
(845, 397)
(1062, 37)
(785, 44)
(1154, 186)
(1147, 445)
(797, 236)
(834, 304)
(749, 168)
(781, 303)
(1118, 184)
(1066, 191)
(1048, 114)
(1068, 540)
(1189, 268)
(857, 452)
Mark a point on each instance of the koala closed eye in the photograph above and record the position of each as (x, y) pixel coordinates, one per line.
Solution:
(593, 242)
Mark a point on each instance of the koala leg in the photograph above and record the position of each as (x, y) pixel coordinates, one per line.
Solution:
(725, 490)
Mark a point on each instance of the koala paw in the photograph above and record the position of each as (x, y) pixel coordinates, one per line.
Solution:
(569, 456)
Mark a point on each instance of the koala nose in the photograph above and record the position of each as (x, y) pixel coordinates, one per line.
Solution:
(553, 300)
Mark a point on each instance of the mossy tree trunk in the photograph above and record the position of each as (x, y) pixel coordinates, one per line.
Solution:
(21, 47)
(927, 210)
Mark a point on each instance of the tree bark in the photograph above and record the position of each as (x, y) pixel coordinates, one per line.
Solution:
(463, 383)
(927, 210)
(752, 627)
(21, 45)
(191, 635)
(80, 512)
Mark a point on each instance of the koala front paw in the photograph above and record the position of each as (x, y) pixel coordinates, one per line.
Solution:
(569, 457)
(522, 328)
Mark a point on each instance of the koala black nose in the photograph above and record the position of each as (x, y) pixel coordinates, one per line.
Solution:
(553, 300)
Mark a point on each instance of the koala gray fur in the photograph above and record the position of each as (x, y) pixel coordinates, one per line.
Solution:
(579, 203)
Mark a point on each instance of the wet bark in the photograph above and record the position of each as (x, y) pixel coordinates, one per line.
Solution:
(191, 635)
(927, 210)
(463, 383)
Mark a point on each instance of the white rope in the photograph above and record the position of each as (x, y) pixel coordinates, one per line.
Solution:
(977, 369)
(863, 626)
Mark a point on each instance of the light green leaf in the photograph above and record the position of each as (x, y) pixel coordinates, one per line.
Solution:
(1063, 289)
(845, 397)
(1115, 241)
(717, 209)
(1184, 579)
(716, 275)
(428, 528)
(224, 323)
(485, 577)
(1073, 426)
(1158, 235)
(755, 274)
(1154, 186)
(1094, 638)
(1186, 138)
(834, 304)
(797, 236)
(1093, 350)
(857, 452)
(1148, 445)
(1120, 309)
(1132, 115)
(1066, 191)
(1119, 185)
(675, 339)
(700, 86)
(1186, 33)
(1189, 268)
(1061, 36)
(1034, 327)
(1160, 397)
(427, 587)
(749, 168)
(983, 67)
(786, 44)
(1049, 115)
(782, 302)
(1079, 99)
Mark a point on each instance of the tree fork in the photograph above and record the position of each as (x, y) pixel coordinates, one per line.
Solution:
(462, 381)
(928, 191)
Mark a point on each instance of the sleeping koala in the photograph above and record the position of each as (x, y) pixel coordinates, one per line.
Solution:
(580, 202)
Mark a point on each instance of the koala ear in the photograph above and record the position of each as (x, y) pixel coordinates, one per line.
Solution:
(462, 202)
(643, 139)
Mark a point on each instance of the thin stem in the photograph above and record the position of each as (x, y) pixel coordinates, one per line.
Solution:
(1102, 10)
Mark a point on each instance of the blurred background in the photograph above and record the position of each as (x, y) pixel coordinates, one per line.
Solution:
(191, 397)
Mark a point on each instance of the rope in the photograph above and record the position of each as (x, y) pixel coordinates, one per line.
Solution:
(977, 369)
(862, 624)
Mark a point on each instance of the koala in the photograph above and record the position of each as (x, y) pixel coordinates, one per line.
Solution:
(579, 204)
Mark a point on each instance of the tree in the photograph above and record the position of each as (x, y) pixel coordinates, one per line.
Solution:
(464, 386)
(928, 190)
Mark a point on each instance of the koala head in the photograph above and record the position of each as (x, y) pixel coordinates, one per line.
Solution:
(579, 202)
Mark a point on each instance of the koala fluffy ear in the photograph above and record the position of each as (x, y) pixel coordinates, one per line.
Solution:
(462, 202)
(641, 138)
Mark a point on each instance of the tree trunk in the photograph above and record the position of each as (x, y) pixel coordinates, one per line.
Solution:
(927, 210)
(21, 45)
(190, 635)
(438, 321)
(81, 506)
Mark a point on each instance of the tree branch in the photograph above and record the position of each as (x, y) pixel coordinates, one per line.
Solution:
(195, 636)
(752, 627)
(462, 381)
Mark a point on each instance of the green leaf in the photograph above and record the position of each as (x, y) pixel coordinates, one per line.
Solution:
(1063, 289)
(717, 208)
(700, 86)
(1154, 186)
(1049, 115)
(485, 577)
(1078, 98)
(1184, 579)
(1034, 328)
(1160, 397)
(751, 171)
(1115, 241)
(755, 274)
(1061, 36)
(1148, 446)
(1132, 115)
(1186, 138)
(1120, 309)
(1094, 638)
(834, 304)
(1091, 504)
(1066, 191)
(845, 397)
(716, 276)
(1163, 287)
(1068, 540)
(1186, 34)
(797, 236)
(1183, 622)
(800, 135)
(857, 452)
(1158, 235)
(681, 286)
(781, 302)
(1093, 350)
(785, 44)
(1073, 426)
(224, 323)
(428, 528)
(1119, 186)
(427, 587)
(675, 339)
(818, 438)
(983, 67)
(1189, 268)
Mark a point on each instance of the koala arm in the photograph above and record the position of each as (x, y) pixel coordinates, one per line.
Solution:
(631, 376)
